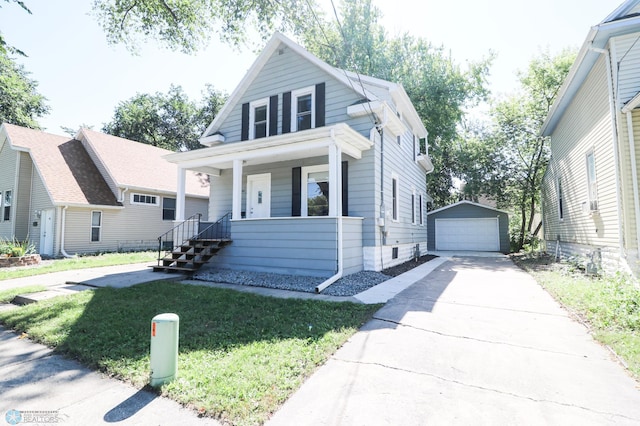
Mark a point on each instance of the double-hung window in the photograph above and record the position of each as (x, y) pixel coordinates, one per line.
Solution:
(96, 225)
(259, 119)
(168, 208)
(6, 206)
(303, 109)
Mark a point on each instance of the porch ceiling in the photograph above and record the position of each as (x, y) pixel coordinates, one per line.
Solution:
(290, 146)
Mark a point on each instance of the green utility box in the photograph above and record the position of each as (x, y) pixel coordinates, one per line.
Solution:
(164, 348)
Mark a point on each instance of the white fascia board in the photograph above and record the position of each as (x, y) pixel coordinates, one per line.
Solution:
(212, 140)
(598, 38)
(383, 112)
(425, 162)
(632, 104)
(401, 98)
(88, 206)
(466, 202)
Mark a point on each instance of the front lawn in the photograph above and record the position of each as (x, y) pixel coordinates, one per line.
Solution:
(79, 262)
(240, 357)
(609, 305)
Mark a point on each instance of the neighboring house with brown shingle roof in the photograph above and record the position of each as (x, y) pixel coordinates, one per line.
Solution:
(91, 193)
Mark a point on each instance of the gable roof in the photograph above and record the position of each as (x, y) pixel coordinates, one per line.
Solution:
(352, 80)
(140, 166)
(67, 172)
(466, 202)
(624, 20)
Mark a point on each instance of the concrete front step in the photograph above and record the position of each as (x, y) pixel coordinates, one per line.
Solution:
(55, 291)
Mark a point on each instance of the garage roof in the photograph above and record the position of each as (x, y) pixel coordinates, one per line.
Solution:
(466, 202)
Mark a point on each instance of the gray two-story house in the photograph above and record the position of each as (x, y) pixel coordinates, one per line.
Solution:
(322, 170)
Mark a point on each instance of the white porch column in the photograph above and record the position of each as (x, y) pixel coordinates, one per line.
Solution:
(335, 180)
(236, 209)
(180, 195)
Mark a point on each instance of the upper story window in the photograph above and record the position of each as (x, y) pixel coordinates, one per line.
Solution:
(144, 199)
(303, 114)
(259, 119)
(592, 189)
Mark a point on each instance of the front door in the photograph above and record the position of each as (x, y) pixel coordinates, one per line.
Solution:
(46, 232)
(258, 196)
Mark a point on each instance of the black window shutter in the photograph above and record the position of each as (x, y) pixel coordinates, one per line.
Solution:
(286, 112)
(320, 108)
(244, 134)
(296, 191)
(273, 115)
(345, 188)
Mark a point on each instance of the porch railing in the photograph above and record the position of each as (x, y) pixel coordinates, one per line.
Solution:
(180, 233)
(191, 229)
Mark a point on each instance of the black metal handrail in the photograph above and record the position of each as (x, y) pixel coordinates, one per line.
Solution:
(219, 230)
(182, 232)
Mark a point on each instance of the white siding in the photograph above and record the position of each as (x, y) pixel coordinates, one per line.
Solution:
(8, 165)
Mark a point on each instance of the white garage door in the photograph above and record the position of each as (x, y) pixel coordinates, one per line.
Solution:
(472, 234)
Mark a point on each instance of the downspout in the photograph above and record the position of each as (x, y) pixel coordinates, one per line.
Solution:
(634, 178)
(124, 191)
(616, 156)
(338, 154)
(62, 230)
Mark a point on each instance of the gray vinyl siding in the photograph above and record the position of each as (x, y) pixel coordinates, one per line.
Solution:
(287, 72)
(298, 246)
(22, 198)
(352, 245)
(8, 165)
(130, 228)
(465, 211)
(585, 126)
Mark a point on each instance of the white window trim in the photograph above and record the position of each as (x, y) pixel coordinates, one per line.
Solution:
(414, 206)
(304, 179)
(252, 116)
(5, 205)
(1, 206)
(92, 226)
(295, 94)
(157, 198)
(421, 209)
(395, 177)
(175, 212)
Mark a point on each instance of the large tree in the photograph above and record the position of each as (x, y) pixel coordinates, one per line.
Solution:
(439, 89)
(518, 154)
(187, 25)
(171, 121)
(4, 46)
(20, 102)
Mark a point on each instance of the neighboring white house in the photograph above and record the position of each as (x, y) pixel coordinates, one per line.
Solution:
(322, 169)
(92, 193)
(591, 195)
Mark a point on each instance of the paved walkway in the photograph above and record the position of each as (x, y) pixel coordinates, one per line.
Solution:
(477, 341)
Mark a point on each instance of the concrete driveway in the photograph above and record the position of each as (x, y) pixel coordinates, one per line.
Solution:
(477, 341)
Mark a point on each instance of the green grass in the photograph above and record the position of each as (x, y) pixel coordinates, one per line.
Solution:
(80, 262)
(6, 296)
(609, 305)
(241, 355)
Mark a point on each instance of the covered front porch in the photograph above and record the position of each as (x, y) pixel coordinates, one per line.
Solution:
(287, 198)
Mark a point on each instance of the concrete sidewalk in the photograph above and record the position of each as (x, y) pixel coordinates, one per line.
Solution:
(478, 341)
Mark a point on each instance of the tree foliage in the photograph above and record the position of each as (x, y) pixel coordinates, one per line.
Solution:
(4, 46)
(439, 89)
(188, 25)
(507, 160)
(20, 102)
(170, 121)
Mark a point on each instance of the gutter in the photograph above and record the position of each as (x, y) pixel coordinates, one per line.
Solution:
(62, 231)
(124, 191)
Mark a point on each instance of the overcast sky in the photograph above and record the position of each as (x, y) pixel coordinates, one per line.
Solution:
(84, 79)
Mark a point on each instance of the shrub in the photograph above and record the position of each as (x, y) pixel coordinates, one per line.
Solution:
(15, 248)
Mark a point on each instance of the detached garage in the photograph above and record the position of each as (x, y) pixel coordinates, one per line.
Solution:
(467, 226)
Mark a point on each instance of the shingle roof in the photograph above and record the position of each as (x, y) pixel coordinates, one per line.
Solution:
(67, 172)
(138, 165)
